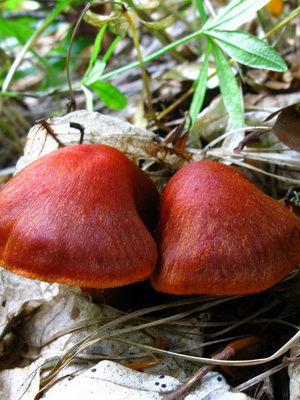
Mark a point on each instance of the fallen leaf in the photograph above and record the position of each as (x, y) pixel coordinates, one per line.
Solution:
(287, 126)
(116, 382)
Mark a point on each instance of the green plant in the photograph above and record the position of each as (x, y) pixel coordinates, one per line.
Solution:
(223, 41)
(108, 93)
(242, 47)
(221, 38)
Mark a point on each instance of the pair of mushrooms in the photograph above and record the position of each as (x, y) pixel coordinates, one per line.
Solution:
(82, 216)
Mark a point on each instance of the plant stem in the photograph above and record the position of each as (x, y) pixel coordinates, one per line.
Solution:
(180, 394)
(176, 103)
(141, 63)
(163, 36)
(284, 22)
(153, 55)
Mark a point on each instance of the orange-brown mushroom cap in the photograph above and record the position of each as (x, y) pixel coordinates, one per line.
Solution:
(78, 216)
(218, 234)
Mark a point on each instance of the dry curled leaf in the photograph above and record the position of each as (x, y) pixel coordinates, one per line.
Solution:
(137, 143)
(287, 125)
(140, 144)
(286, 128)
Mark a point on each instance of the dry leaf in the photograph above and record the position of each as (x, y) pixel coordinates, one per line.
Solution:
(294, 373)
(211, 122)
(20, 383)
(137, 143)
(287, 126)
(21, 296)
(116, 382)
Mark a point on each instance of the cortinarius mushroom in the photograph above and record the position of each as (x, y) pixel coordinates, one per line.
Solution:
(218, 234)
(78, 216)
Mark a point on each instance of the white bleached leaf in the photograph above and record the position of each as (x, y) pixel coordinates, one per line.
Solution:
(294, 373)
(20, 383)
(137, 143)
(116, 382)
(21, 295)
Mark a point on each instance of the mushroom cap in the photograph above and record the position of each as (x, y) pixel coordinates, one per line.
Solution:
(79, 216)
(218, 234)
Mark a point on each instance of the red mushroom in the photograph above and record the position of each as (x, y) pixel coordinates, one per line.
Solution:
(218, 234)
(79, 216)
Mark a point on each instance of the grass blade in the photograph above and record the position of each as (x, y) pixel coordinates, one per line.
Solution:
(200, 91)
(229, 88)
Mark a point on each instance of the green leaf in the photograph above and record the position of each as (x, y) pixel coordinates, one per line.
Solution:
(111, 48)
(200, 91)
(248, 50)
(229, 88)
(235, 14)
(30, 42)
(13, 5)
(157, 25)
(95, 73)
(19, 29)
(110, 95)
(89, 98)
(96, 49)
